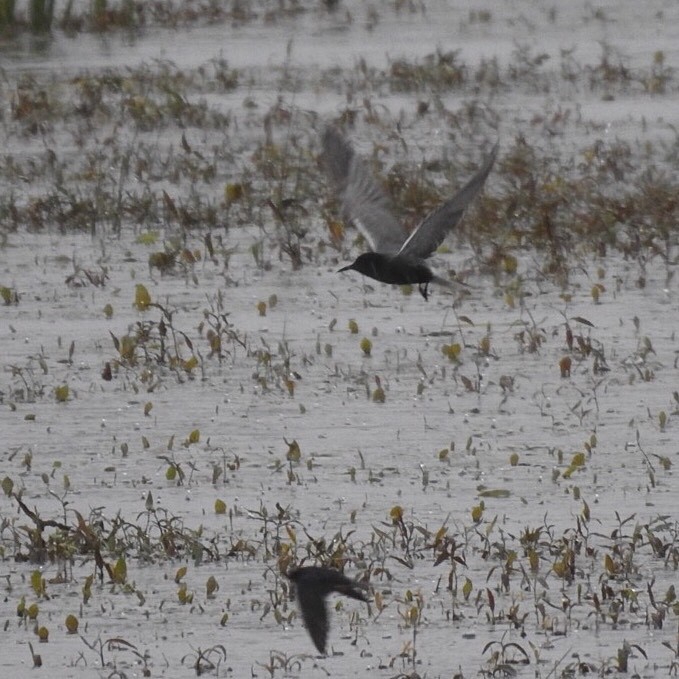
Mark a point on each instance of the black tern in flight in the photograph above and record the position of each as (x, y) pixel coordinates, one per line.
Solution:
(313, 585)
(397, 257)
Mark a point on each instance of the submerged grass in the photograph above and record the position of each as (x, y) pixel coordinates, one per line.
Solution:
(604, 197)
(572, 578)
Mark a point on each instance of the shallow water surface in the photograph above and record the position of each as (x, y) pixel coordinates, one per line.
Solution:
(510, 517)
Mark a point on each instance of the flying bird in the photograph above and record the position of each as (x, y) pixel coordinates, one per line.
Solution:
(313, 584)
(397, 257)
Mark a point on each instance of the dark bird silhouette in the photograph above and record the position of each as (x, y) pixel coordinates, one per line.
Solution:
(397, 257)
(313, 584)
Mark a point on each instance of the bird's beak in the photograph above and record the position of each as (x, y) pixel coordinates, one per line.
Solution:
(345, 268)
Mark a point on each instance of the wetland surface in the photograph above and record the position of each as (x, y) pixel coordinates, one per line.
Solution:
(192, 399)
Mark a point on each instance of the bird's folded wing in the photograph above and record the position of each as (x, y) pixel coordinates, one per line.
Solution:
(433, 229)
(364, 202)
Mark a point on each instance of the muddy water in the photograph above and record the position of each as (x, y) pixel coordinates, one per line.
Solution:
(359, 458)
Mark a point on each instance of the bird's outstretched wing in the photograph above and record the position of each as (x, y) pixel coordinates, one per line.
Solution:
(315, 614)
(364, 202)
(433, 229)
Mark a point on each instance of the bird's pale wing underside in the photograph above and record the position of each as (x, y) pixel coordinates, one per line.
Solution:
(364, 202)
(433, 229)
(336, 157)
(315, 615)
(366, 205)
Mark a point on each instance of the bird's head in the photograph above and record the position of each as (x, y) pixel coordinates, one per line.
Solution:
(350, 267)
(364, 264)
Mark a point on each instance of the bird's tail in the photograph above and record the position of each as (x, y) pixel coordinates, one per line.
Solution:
(447, 283)
(355, 590)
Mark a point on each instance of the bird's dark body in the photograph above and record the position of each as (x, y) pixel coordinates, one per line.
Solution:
(313, 585)
(394, 269)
